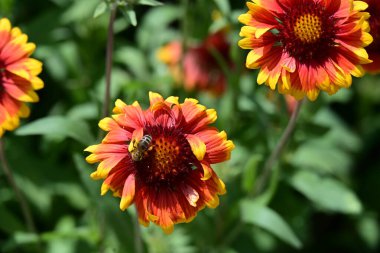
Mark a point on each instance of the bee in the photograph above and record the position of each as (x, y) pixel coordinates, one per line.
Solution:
(138, 148)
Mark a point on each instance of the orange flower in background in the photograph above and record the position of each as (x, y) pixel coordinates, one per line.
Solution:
(201, 68)
(18, 76)
(171, 55)
(306, 46)
(160, 159)
(374, 49)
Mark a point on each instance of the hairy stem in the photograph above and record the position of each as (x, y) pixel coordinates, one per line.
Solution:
(270, 162)
(185, 33)
(109, 55)
(137, 234)
(20, 198)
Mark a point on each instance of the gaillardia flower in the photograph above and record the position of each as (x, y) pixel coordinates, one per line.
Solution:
(160, 159)
(306, 46)
(18, 76)
(202, 67)
(374, 49)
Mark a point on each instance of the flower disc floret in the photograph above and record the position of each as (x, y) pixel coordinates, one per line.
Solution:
(169, 160)
(171, 178)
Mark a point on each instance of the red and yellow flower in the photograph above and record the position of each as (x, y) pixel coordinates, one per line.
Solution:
(306, 46)
(18, 76)
(374, 49)
(201, 69)
(172, 179)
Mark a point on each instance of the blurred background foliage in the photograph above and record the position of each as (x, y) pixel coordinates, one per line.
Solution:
(323, 195)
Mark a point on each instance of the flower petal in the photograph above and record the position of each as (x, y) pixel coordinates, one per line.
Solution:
(128, 192)
(197, 146)
(191, 194)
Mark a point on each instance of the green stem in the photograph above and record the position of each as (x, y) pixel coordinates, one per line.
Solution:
(185, 32)
(270, 162)
(20, 198)
(137, 234)
(109, 54)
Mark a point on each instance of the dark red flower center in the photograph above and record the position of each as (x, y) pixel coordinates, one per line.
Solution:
(306, 32)
(2, 74)
(374, 22)
(169, 159)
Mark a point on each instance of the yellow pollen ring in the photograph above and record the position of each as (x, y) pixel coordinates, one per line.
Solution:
(167, 152)
(308, 28)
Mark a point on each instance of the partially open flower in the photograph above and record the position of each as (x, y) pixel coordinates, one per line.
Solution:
(202, 64)
(374, 49)
(306, 46)
(18, 76)
(160, 159)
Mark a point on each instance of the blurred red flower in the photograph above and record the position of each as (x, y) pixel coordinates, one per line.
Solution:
(202, 64)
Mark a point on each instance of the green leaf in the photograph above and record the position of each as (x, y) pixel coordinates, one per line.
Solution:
(249, 172)
(6, 7)
(73, 193)
(268, 194)
(59, 126)
(132, 17)
(225, 250)
(67, 240)
(158, 18)
(339, 135)
(100, 9)
(266, 218)
(9, 222)
(150, 2)
(120, 80)
(369, 90)
(84, 169)
(6, 194)
(18, 239)
(223, 5)
(39, 196)
(25, 238)
(368, 229)
(156, 24)
(264, 240)
(130, 14)
(342, 96)
(84, 111)
(328, 193)
(178, 242)
(79, 11)
(134, 59)
(308, 156)
(313, 129)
